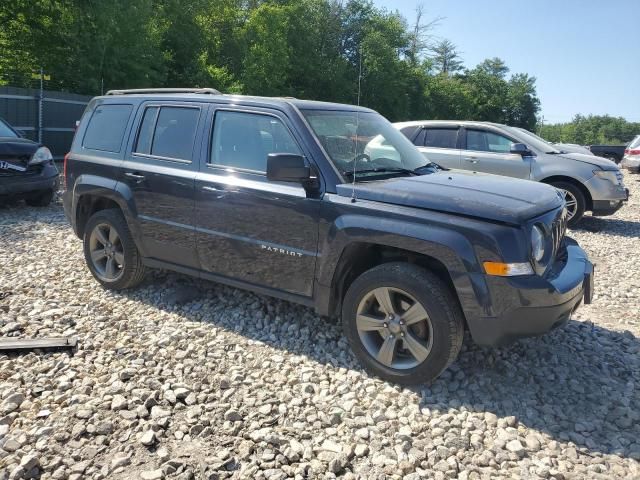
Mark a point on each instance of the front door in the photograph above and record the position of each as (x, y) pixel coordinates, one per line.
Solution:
(248, 228)
(489, 152)
(160, 171)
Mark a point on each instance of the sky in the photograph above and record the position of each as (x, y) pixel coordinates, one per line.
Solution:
(584, 54)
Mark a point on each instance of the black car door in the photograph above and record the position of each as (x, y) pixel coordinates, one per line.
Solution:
(160, 171)
(248, 228)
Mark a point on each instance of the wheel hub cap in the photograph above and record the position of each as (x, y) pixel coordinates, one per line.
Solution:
(394, 328)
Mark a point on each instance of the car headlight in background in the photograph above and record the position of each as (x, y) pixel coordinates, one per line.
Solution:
(611, 175)
(537, 243)
(42, 155)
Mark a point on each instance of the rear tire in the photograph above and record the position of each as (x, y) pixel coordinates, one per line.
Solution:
(40, 199)
(110, 251)
(403, 323)
(576, 203)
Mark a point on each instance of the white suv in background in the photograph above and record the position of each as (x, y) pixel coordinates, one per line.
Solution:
(631, 160)
(589, 183)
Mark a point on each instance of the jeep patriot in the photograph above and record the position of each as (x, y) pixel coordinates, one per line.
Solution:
(288, 198)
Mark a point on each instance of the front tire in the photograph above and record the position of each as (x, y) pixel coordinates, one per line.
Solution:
(110, 251)
(403, 323)
(576, 202)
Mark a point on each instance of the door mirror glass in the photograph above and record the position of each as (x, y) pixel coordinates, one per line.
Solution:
(287, 167)
(520, 149)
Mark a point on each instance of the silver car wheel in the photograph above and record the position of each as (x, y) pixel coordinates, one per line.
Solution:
(572, 204)
(394, 328)
(107, 252)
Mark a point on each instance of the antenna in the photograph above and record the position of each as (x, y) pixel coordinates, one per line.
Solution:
(355, 142)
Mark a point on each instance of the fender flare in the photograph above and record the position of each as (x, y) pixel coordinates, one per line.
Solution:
(111, 189)
(450, 248)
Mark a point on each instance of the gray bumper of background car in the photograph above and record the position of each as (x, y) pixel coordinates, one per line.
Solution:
(607, 198)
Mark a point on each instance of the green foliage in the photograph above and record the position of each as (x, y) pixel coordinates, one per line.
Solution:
(312, 49)
(592, 130)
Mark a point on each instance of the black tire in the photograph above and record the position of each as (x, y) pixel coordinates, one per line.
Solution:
(581, 202)
(446, 329)
(40, 199)
(132, 271)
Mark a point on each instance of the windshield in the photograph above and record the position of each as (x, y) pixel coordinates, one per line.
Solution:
(532, 140)
(6, 130)
(363, 141)
(635, 142)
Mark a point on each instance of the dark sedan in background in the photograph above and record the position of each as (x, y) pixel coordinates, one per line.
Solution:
(27, 170)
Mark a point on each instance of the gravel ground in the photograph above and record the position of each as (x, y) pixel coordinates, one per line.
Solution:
(192, 380)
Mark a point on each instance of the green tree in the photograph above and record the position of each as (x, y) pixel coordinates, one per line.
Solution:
(446, 59)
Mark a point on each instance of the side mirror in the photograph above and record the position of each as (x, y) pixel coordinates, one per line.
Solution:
(287, 167)
(520, 149)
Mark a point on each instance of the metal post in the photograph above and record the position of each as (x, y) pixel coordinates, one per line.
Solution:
(40, 105)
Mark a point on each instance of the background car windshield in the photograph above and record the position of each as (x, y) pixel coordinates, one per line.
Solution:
(531, 140)
(366, 137)
(6, 131)
(635, 142)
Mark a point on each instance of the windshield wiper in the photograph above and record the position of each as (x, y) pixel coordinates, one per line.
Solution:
(429, 165)
(351, 173)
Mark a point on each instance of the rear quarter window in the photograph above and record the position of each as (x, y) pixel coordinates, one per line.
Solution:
(107, 127)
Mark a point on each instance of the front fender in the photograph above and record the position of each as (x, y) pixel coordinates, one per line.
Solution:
(446, 245)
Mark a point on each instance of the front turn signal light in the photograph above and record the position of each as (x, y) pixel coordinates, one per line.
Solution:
(500, 269)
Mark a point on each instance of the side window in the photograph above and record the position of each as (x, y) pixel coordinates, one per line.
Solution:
(441, 137)
(487, 142)
(106, 127)
(243, 140)
(419, 140)
(168, 132)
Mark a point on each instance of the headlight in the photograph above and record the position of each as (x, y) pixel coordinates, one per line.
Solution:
(537, 243)
(611, 175)
(42, 155)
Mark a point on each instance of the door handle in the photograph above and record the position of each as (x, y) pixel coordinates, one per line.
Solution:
(135, 176)
(211, 189)
(471, 159)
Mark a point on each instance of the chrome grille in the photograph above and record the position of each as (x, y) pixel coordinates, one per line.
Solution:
(31, 170)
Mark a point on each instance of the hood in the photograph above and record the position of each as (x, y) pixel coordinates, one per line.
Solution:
(603, 163)
(491, 197)
(572, 148)
(21, 149)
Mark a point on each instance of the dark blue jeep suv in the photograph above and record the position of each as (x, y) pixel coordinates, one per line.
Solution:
(327, 205)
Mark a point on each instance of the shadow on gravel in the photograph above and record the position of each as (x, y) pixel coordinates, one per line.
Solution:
(580, 383)
(612, 226)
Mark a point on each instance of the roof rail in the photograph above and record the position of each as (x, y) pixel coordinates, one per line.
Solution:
(134, 91)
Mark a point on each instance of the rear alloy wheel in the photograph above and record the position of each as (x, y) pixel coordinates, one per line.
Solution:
(403, 323)
(575, 201)
(110, 252)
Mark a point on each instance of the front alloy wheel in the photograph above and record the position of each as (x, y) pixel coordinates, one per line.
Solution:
(575, 201)
(394, 328)
(402, 322)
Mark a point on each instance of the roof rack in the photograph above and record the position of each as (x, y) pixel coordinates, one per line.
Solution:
(135, 91)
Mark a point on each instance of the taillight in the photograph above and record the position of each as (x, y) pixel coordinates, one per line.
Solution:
(634, 151)
(64, 171)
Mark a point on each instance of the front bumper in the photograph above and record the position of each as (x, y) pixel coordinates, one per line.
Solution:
(21, 185)
(532, 305)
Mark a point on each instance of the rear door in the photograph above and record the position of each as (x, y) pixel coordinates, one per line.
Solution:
(439, 145)
(160, 171)
(249, 228)
(489, 151)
